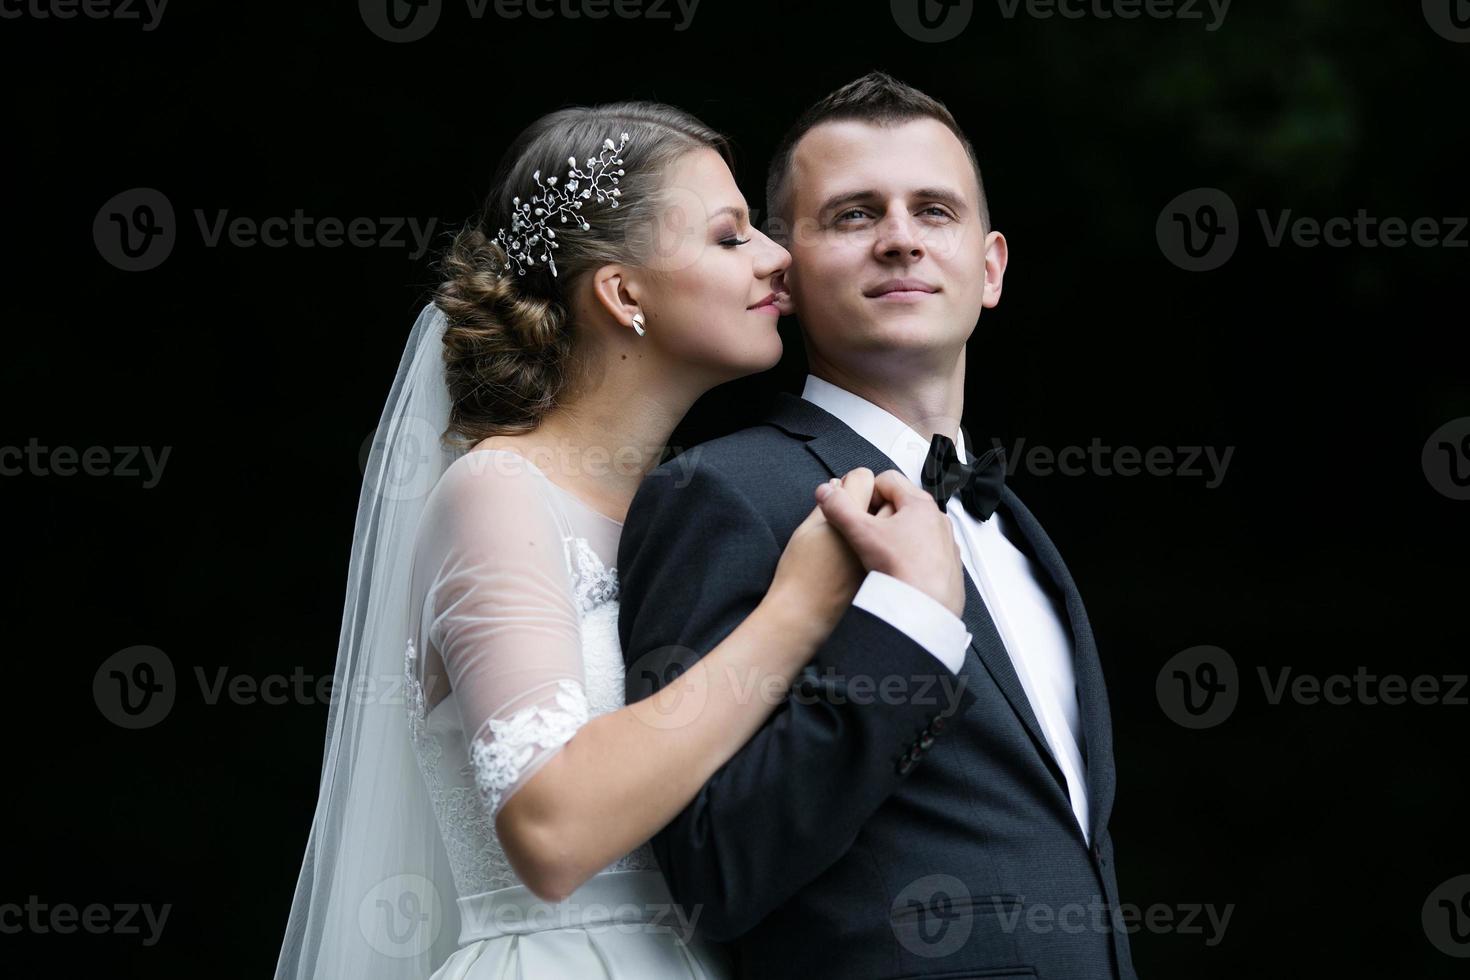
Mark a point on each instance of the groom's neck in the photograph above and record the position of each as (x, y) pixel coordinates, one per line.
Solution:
(929, 398)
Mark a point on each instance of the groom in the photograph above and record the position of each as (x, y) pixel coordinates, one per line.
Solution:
(932, 798)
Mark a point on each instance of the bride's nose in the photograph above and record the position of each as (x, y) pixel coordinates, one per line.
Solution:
(773, 261)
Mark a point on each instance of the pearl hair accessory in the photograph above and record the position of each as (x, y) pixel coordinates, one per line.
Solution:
(528, 227)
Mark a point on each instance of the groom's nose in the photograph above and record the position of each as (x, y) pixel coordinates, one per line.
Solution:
(898, 238)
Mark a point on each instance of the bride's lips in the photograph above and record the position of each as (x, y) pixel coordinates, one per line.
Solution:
(770, 304)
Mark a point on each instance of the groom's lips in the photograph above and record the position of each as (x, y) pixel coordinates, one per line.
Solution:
(897, 289)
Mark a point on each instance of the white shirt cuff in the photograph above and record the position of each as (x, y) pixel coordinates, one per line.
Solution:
(917, 615)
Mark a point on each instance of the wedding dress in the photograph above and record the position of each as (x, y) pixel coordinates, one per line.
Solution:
(515, 605)
(479, 634)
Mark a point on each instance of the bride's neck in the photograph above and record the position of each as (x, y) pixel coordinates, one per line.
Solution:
(603, 439)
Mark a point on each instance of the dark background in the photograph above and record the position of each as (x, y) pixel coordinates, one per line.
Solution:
(1326, 548)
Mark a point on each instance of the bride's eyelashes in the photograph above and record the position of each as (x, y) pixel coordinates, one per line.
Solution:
(734, 241)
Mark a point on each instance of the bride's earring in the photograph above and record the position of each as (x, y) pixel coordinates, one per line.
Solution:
(638, 323)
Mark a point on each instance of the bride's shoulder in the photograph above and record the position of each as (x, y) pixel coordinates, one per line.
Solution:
(493, 484)
(491, 462)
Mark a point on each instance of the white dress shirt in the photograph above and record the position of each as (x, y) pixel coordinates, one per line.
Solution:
(1038, 641)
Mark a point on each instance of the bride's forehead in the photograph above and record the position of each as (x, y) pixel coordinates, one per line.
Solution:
(702, 167)
(700, 186)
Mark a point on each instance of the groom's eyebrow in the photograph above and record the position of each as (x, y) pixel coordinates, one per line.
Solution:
(941, 195)
(842, 198)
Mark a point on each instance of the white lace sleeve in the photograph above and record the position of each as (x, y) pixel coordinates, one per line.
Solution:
(504, 620)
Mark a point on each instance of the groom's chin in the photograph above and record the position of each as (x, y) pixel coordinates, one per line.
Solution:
(900, 329)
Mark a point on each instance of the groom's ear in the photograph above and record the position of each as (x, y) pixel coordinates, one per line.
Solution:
(997, 256)
(615, 292)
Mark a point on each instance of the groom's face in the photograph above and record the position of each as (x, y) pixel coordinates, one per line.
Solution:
(889, 253)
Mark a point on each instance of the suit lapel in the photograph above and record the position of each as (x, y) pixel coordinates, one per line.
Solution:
(1092, 696)
(841, 450)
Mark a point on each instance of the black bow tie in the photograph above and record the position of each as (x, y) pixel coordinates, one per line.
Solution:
(978, 482)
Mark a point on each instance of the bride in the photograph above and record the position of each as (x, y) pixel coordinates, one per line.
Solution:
(486, 795)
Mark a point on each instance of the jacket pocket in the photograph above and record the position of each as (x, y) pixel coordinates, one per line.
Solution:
(1004, 973)
(952, 929)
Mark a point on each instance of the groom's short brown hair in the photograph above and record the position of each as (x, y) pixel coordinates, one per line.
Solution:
(877, 98)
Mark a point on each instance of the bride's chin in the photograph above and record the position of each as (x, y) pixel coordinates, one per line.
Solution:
(771, 351)
(754, 357)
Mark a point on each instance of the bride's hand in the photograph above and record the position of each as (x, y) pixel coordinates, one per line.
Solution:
(903, 533)
(818, 573)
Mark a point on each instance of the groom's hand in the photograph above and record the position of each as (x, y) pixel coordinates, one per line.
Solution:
(908, 537)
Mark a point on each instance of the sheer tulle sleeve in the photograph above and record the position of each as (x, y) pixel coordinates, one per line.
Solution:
(501, 615)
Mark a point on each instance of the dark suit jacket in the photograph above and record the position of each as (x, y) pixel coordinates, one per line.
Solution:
(890, 820)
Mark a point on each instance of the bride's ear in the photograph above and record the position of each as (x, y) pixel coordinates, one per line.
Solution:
(615, 292)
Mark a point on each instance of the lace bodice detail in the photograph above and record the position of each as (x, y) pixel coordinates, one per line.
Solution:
(595, 584)
(541, 699)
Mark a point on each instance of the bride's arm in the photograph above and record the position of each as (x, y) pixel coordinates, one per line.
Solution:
(569, 796)
(629, 772)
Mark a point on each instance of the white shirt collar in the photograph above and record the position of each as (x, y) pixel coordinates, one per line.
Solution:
(886, 431)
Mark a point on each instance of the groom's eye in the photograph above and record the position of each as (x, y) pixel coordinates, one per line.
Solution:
(852, 213)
